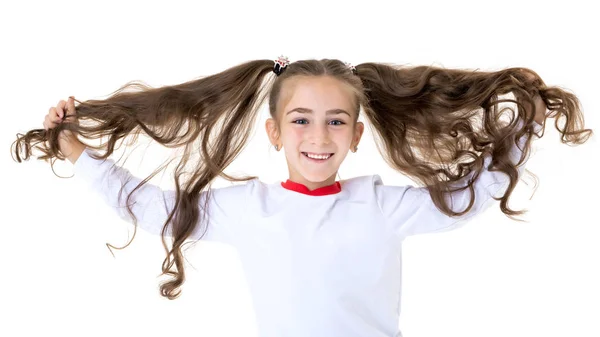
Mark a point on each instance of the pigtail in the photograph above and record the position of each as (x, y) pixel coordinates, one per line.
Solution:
(435, 124)
(430, 123)
(211, 117)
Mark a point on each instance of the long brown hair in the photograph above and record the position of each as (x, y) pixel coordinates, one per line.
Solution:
(432, 124)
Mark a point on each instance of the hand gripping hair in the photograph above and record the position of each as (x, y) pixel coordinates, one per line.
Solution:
(432, 124)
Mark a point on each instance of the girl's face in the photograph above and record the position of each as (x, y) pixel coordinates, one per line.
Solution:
(316, 117)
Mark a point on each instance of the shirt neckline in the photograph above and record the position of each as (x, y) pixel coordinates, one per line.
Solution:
(300, 188)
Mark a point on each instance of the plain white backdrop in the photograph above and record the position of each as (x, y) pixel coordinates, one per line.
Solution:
(493, 277)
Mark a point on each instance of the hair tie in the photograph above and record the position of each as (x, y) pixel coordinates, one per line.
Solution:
(280, 65)
(351, 67)
(282, 62)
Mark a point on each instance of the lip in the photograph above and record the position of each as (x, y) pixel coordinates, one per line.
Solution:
(317, 160)
(318, 154)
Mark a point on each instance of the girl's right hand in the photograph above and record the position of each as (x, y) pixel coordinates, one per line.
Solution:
(68, 143)
(58, 113)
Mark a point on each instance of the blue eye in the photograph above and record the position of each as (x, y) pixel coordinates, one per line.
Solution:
(339, 122)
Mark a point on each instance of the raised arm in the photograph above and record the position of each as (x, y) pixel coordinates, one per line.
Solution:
(150, 204)
(410, 210)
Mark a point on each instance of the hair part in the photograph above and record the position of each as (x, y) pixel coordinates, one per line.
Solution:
(432, 124)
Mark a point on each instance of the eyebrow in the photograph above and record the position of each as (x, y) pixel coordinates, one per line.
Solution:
(328, 112)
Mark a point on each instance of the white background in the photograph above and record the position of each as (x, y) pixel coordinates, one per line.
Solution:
(494, 277)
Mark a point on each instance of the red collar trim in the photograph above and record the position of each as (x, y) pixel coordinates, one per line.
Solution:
(300, 188)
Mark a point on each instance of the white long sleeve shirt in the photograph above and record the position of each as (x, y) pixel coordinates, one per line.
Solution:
(327, 265)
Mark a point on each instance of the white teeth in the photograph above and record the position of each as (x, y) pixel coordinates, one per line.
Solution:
(316, 156)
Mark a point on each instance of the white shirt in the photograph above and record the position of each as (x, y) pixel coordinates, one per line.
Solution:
(316, 265)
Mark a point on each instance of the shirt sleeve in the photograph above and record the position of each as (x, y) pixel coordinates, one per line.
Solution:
(410, 210)
(150, 204)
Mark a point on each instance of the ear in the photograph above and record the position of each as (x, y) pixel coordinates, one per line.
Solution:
(359, 128)
(272, 131)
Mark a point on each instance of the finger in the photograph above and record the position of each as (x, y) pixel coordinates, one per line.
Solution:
(53, 114)
(51, 121)
(48, 126)
(71, 105)
(60, 108)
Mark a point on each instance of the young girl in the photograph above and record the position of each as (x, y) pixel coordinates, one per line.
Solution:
(322, 257)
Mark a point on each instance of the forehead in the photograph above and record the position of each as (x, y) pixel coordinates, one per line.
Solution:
(318, 93)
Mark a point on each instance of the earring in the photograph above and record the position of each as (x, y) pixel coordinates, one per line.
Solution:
(276, 147)
(355, 149)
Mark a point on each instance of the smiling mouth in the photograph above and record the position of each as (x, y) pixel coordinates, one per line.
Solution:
(318, 157)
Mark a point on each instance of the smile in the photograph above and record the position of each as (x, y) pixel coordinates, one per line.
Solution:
(317, 157)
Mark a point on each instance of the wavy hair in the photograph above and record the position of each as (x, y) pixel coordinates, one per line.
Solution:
(431, 123)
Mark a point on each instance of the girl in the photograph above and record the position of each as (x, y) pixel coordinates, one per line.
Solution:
(322, 257)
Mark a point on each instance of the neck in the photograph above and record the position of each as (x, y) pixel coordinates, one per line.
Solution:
(311, 185)
(314, 185)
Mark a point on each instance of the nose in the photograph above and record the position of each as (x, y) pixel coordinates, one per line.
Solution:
(319, 134)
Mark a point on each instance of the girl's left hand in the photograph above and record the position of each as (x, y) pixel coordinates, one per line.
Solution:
(540, 109)
(540, 106)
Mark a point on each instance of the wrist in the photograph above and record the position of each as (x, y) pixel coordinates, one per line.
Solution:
(70, 146)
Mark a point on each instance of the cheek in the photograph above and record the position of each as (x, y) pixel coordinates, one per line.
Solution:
(343, 136)
(294, 135)
(291, 136)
